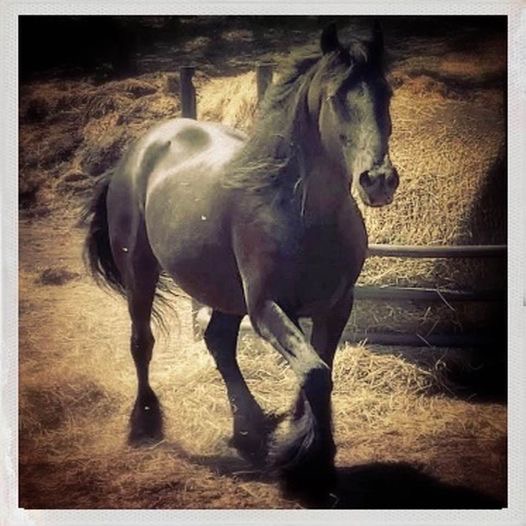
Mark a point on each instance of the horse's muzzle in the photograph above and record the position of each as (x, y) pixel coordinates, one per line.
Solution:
(376, 187)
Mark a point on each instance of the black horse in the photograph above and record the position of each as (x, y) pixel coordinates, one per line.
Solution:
(265, 226)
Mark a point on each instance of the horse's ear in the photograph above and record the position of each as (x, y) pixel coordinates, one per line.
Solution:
(377, 44)
(329, 39)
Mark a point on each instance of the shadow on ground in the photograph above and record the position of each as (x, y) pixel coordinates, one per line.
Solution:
(379, 485)
(404, 486)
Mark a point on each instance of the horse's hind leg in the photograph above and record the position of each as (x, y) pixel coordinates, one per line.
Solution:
(146, 418)
(140, 270)
(251, 427)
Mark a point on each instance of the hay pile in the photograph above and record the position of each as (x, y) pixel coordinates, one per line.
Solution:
(72, 131)
(230, 100)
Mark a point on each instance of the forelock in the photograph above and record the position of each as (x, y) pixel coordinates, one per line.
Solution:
(358, 52)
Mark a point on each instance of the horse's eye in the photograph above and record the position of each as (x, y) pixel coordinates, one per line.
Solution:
(343, 138)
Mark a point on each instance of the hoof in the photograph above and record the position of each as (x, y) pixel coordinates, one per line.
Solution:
(252, 448)
(146, 425)
(252, 441)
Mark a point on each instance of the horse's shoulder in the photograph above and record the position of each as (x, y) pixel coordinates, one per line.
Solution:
(266, 227)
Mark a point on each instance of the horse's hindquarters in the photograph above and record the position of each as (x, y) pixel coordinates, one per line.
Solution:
(188, 229)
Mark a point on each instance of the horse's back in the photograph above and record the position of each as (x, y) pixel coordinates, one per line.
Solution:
(172, 148)
(192, 149)
(185, 187)
(187, 210)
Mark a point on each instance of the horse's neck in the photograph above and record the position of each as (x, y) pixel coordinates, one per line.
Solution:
(324, 185)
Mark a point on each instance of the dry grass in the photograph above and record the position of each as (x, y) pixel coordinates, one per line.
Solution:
(78, 383)
(82, 128)
(231, 100)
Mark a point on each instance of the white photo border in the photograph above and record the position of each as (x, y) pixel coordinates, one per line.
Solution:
(514, 514)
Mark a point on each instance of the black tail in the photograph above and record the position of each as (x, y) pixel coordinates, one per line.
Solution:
(97, 250)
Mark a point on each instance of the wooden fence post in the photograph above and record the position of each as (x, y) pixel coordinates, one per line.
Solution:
(187, 92)
(264, 73)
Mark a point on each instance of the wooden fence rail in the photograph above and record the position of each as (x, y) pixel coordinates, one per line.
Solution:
(481, 339)
(441, 251)
(367, 292)
(264, 74)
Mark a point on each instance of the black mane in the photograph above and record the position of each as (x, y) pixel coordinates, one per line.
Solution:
(271, 159)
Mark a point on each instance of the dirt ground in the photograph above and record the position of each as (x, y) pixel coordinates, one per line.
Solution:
(405, 437)
(403, 441)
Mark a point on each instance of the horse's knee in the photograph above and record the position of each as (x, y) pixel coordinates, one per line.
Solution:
(317, 381)
(221, 335)
(213, 337)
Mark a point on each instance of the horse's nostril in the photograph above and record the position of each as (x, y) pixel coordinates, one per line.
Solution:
(365, 179)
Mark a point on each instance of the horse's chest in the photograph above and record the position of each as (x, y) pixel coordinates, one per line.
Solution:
(331, 263)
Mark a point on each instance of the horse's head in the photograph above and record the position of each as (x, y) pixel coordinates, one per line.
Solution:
(351, 98)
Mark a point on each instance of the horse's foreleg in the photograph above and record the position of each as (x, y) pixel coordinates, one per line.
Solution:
(251, 427)
(306, 457)
(327, 329)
